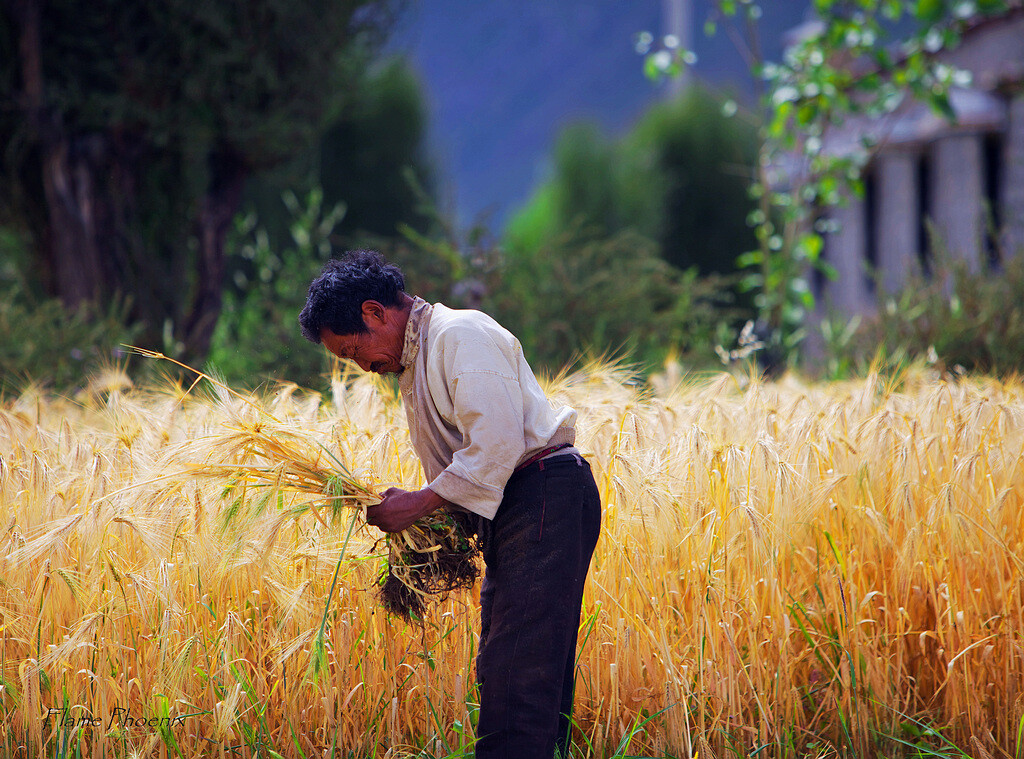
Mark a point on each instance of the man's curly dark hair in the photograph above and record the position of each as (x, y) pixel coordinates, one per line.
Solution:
(336, 296)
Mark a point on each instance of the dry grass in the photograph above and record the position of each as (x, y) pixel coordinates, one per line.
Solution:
(800, 569)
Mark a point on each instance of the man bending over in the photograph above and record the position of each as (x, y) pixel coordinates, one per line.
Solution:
(498, 455)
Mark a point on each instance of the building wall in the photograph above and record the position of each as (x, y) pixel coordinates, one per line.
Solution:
(930, 175)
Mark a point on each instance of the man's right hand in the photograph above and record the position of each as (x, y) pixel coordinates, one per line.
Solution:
(400, 508)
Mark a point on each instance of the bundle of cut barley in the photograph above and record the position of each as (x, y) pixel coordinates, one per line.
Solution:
(432, 557)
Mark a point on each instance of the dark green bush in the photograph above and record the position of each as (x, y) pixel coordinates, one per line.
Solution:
(706, 159)
(611, 295)
(44, 344)
(578, 295)
(680, 178)
(40, 342)
(366, 156)
(257, 337)
(372, 160)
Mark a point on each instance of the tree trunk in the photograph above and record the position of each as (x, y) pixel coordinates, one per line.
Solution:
(90, 243)
(71, 245)
(72, 202)
(216, 212)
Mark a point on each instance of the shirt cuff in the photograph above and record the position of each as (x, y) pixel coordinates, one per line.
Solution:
(472, 496)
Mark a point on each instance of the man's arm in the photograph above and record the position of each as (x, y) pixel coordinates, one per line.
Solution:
(481, 381)
(489, 414)
(400, 508)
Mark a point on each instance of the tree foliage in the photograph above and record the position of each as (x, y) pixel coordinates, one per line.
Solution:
(863, 57)
(584, 295)
(365, 180)
(679, 177)
(705, 149)
(135, 125)
(257, 336)
(373, 159)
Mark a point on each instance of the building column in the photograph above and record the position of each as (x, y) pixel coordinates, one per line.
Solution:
(1012, 190)
(897, 211)
(958, 192)
(846, 252)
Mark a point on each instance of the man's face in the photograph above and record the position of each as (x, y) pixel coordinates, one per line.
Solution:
(379, 349)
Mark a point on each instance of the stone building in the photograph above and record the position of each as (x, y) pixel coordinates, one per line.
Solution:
(966, 178)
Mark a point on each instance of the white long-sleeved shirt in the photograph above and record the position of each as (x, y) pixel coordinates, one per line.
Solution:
(474, 407)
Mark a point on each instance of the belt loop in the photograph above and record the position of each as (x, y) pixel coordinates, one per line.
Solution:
(540, 464)
(579, 459)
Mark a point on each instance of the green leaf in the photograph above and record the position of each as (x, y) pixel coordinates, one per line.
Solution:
(892, 9)
(928, 10)
(651, 69)
(751, 282)
(750, 258)
(812, 244)
(940, 103)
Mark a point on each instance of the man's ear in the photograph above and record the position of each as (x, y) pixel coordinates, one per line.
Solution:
(373, 310)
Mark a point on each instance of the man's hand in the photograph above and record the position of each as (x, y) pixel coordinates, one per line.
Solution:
(400, 508)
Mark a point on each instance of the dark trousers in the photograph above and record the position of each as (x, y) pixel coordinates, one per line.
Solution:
(537, 550)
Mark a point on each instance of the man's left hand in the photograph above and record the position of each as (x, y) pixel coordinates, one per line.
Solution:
(400, 508)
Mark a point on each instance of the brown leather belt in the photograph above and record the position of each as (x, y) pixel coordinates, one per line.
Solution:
(541, 454)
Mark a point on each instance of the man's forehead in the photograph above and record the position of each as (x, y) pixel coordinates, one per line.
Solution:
(328, 336)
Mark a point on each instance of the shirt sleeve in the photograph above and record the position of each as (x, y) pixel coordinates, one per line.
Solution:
(483, 383)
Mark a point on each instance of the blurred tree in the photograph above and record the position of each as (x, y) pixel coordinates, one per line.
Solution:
(680, 178)
(706, 152)
(373, 158)
(593, 189)
(863, 57)
(257, 336)
(595, 185)
(132, 127)
(371, 161)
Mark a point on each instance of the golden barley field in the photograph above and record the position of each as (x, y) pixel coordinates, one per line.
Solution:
(785, 570)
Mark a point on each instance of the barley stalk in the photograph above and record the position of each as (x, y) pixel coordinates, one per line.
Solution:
(788, 569)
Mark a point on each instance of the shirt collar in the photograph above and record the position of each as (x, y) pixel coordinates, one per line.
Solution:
(417, 319)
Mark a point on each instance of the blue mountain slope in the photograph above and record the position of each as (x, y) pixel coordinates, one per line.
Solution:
(504, 76)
